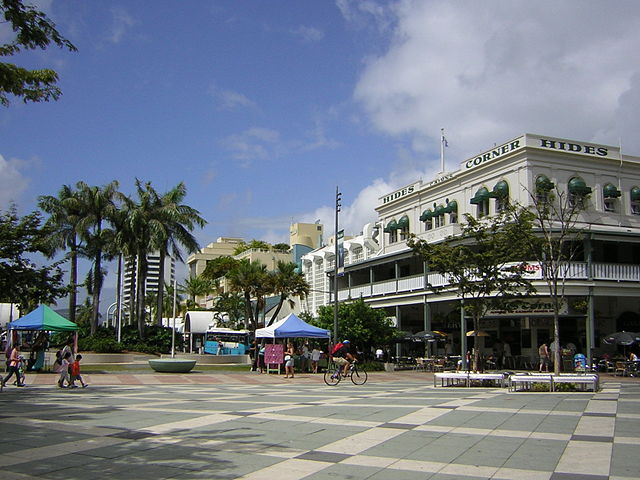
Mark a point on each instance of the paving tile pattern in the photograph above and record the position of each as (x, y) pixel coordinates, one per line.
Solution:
(255, 427)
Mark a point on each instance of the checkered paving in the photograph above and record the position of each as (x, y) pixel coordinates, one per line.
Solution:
(382, 430)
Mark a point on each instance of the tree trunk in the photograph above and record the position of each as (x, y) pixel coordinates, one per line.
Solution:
(278, 308)
(73, 280)
(119, 295)
(159, 299)
(557, 354)
(97, 285)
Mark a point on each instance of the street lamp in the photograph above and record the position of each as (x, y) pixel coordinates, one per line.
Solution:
(335, 277)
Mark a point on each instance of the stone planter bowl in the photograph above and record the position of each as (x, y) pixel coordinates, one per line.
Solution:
(172, 365)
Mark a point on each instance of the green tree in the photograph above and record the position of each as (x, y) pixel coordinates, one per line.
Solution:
(21, 280)
(98, 207)
(286, 282)
(365, 327)
(32, 30)
(219, 267)
(64, 220)
(251, 280)
(554, 242)
(233, 305)
(253, 244)
(483, 265)
(198, 286)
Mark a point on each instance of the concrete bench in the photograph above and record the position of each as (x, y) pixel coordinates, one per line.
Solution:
(467, 379)
(526, 381)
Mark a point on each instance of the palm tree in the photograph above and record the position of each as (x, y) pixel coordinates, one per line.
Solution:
(176, 221)
(197, 286)
(251, 280)
(287, 282)
(64, 218)
(97, 207)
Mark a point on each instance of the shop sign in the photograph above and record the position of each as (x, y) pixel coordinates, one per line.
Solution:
(399, 194)
(494, 153)
(530, 307)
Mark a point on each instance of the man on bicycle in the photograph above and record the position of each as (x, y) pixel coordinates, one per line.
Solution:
(343, 357)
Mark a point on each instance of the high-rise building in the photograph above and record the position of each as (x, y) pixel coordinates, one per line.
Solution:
(153, 281)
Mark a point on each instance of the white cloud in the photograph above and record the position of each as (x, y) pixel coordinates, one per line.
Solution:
(488, 71)
(12, 180)
(229, 99)
(121, 23)
(253, 144)
(308, 34)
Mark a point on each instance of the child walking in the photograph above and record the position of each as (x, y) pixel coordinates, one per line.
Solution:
(75, 373)
(64, 370)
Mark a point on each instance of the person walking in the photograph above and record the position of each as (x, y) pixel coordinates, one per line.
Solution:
(64, 370)
(75, 373)
(543, 352)
(14, 363)
(288, 361)
(315, 359)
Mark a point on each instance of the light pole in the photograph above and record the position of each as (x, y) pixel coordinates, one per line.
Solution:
(173, 330)
(335, 276)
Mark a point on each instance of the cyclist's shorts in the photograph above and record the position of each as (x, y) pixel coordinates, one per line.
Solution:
(340, 361)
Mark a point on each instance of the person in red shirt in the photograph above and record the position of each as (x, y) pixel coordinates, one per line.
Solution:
(75, 373)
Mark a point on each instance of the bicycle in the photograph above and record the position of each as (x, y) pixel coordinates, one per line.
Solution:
(358, 375)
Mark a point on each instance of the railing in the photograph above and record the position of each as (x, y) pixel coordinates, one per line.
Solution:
(575, 271)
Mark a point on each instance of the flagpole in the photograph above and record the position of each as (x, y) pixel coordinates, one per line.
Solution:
(442, 140)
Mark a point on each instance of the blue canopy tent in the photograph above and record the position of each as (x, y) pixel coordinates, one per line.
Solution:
(292, 327)
(43, 318)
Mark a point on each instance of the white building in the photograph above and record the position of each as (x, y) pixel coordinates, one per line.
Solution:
(380, 268)
(153, 283)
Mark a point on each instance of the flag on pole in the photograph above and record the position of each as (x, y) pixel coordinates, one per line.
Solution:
(444, 141)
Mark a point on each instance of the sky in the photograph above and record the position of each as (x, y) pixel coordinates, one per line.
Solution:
(263, 108)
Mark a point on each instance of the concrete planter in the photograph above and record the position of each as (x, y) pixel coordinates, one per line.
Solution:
(172, 365)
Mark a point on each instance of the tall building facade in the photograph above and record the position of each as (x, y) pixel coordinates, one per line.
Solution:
(602, 284)
(153, 281)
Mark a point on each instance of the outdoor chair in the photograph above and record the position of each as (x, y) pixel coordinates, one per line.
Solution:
(620, 369)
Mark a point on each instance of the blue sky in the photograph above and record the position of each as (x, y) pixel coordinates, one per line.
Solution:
(263, 107)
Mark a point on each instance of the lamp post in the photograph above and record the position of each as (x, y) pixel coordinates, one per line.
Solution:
(335, 276)
(173, 330)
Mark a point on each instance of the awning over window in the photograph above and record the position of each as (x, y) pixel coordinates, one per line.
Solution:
(610, 191)
(481, 195)
(403, 223)
(578, 187)
(543, 184)
(426, 215)
(440, 210)
(635, 194)
(391, 226)
(501, 190)
(451, 207)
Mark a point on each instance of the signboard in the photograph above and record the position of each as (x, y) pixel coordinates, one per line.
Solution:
(530, 307)
(274, 354)
(341, 253)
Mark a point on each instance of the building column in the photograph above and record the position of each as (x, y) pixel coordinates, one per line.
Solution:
(463, 336)
(399, 327)
(590, 318)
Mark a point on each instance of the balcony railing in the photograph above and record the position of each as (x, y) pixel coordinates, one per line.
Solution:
(575, 271)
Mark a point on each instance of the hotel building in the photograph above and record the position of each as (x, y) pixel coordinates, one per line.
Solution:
(602, 286)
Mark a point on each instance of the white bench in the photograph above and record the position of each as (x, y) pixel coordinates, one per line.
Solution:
(527, 381)
(466, 378)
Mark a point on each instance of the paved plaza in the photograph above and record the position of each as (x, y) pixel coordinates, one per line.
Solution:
(249, 426)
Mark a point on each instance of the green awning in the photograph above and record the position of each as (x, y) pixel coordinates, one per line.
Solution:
(543, 184)
(578, 187)
(451, 207)
(501, 190)
(426, 215)
(481, 195)
(635, 193)
(391, 226)
(403, 223)
(440, 210)
(610, 191)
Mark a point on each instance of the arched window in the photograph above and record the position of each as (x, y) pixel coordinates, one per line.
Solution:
(427, 217)
(501, 194)
(635, 200)
(543, 187)
(481, 200)
(452, 210)
(578, 191)
(392, 230)
(403, 226)
(438, 216)
(610, 194)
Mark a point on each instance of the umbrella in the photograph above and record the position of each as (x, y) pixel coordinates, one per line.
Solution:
(622, 338)
(479, 333)
(428, 336)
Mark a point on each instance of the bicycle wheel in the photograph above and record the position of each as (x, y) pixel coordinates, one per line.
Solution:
(331, 378)
(359, 376)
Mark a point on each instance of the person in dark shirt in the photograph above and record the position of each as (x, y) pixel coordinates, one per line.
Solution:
(343, 356)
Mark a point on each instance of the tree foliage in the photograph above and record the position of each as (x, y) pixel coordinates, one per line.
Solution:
(33, 30)
(485, 266)
(21, 280)
(365, 327)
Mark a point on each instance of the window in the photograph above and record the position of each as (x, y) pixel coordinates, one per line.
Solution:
(481, 200)
(392, 230)
(438, 216)
(403, 226)
(452, 210)
(426, 217)
(578, 192)
(635, 201)
(610, 194)
(501, 194)
(543, 187)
